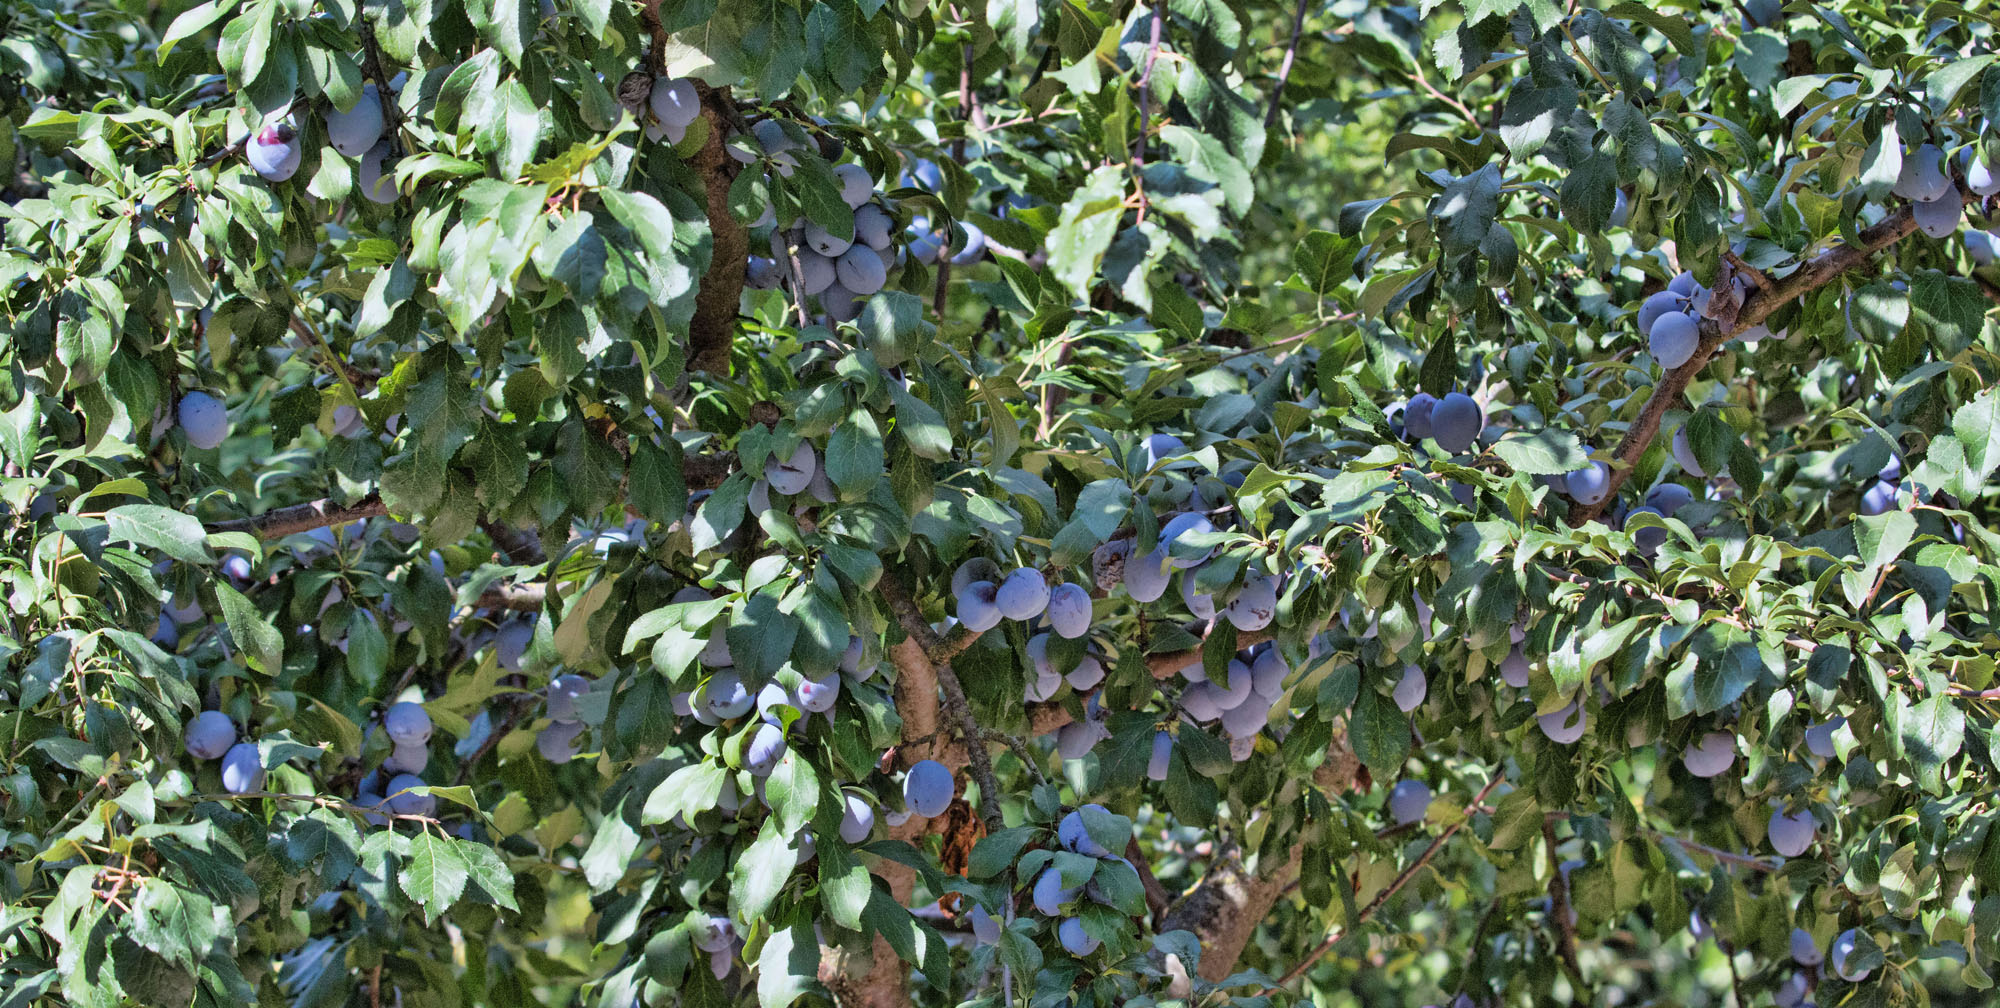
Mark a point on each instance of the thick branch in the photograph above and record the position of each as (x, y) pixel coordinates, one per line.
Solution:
(1821, 270)
(520, 597)
(304, 518)
(919, 631)
(1225, 908)
(713, 329)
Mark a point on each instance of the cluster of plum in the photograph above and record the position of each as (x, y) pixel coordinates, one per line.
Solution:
(1454, 421)
(1925, 180)
(1242, 701)
(212, 735)
(276, 150)
(1671, 319)
(1809, 957)
(842, 265)
(985, 596)
(1066, 880)
(408, 726)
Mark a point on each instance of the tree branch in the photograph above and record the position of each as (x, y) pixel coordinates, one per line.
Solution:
(1382, 897)
(304, 517)
(1225, 908)
(1720, 327)
(1559, 907)
(712, 331)
(519, 597)
(919, 631)
(520, 547)
(371, 67)
(1285, 67)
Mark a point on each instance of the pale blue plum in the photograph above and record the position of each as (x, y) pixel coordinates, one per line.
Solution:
(857, 818)
(1255, 606)
(1408, 801)
(1156, 765)
(1049, 895)
(1456, 422)
(1068, 611)
(407, 723)
(1024, 594)
(928, 788)
(563, 691)
(275, 152)
(1844, 947)
(978, 606)
(1417, 415)
(1590, 484)
(209, 735)
(766, 748)
(1411, 689)
(1074, 939)
(204, 419)
(560, 741)
(242, 769)
(354, 131)
(1673, 339)
(1792, 832)
(1939, 217)
(404, 801)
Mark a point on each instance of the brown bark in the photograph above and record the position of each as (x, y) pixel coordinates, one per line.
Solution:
(304, 517)
(1232, 899)
(713, 328)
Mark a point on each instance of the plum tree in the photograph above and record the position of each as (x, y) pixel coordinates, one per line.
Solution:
(1136, 453)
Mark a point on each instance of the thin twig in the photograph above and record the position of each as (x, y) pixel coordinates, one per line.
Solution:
(1285, 67)
(1559, 907)
(1382, 897)
(1146, 99)
(372, 67)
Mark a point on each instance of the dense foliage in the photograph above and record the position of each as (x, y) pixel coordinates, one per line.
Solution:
(1020, 502)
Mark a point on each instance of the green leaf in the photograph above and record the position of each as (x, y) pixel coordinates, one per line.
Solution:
(1325, 260)
(1545, 452)
(249, 629)
(787, 966)
(855, 459)
(1089, 220)
(171, 532)
(434, 873)
(1379, 733)
(759, 872)
(490, 877)
(995, 852)
(174, 923)
(844, 885)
